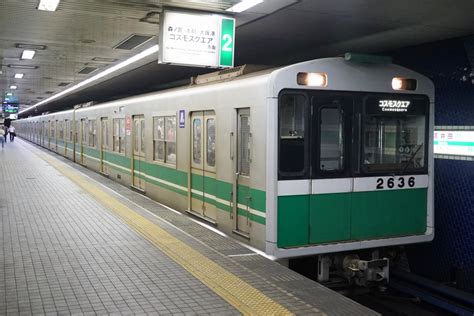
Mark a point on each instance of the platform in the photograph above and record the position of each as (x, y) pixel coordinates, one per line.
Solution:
(75, 242)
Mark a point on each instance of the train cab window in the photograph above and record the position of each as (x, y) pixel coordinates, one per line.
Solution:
(211, 142)
(293, 145)
(395, 140)
(164, 139)
(331, 153)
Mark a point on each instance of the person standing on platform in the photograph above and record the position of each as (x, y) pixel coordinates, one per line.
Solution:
(5, 130)
(11, 130)
(2, 135)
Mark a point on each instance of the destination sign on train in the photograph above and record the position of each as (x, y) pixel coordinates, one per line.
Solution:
(395, 106)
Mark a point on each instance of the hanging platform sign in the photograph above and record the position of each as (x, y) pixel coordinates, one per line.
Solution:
(196, 39)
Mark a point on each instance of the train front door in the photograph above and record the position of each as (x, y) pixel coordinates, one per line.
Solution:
(241, 190)
(138, 152)
(331, 185)
(203, 165)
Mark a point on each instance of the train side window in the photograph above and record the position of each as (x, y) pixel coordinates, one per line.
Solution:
(159, 138)
(52, 130)
(119, 135)
(122, 136)
(76, 129)
(92, 133)
(85, 130)
(170, 144)
(61, 129)
(331, 139)
(164, 139)
(211, 142)
(197, 140)
(105, 133)
(293, 146)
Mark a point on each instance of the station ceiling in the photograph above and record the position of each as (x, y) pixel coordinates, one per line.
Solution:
(80, 39)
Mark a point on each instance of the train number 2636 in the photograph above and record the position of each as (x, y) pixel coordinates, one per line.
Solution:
(391, 183)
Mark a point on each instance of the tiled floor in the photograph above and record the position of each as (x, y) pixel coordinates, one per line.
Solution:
(63, 252)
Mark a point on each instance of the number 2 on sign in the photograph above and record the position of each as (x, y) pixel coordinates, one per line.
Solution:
(227, 47)
(391, 183)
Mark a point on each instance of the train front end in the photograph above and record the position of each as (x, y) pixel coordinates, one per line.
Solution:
(353, 169)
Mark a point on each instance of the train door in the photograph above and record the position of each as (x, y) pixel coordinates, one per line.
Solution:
(331, 184)
(241, 189)
(104, 143)
(203, 164)
(138, 152)
(83, 140)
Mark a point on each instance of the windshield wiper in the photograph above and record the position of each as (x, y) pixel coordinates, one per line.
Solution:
(411, 158)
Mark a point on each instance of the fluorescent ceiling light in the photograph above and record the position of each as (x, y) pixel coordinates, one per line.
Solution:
(108, 71)
(19, 76)
(9, 94)
(48, 5)
(244, 5)
(13, 87)
(28, 54)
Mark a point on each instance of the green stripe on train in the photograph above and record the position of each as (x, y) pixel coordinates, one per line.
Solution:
(220, 189)
(342, 217)
(223, 190)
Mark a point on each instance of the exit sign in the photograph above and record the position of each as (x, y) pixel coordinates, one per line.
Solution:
(197, 39)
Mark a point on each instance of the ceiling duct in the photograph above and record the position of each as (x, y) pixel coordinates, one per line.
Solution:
(87, 70)
(105, 59)
(133, 41)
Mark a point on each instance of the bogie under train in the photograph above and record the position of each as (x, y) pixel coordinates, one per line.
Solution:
(321, 157)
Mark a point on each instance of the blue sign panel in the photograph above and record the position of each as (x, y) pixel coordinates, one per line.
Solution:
(182, 118)
(10, 108)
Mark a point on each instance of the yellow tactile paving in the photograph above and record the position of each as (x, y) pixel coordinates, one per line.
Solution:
(238, 293)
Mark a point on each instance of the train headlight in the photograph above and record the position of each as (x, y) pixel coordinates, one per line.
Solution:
(312, 79)
(403, 84)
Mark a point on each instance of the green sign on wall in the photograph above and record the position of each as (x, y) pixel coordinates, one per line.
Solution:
(227, 43)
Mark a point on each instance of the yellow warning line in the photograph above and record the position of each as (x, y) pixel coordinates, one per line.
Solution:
(238, 293)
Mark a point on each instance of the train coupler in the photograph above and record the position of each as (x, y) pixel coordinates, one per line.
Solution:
(366, 272)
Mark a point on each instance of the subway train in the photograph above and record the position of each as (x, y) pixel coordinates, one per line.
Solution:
(330, 157)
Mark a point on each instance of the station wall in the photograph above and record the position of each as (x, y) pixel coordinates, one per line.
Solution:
(450, 257)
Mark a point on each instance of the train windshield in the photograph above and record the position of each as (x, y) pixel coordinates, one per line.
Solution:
(338, 134)
(394, 134)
